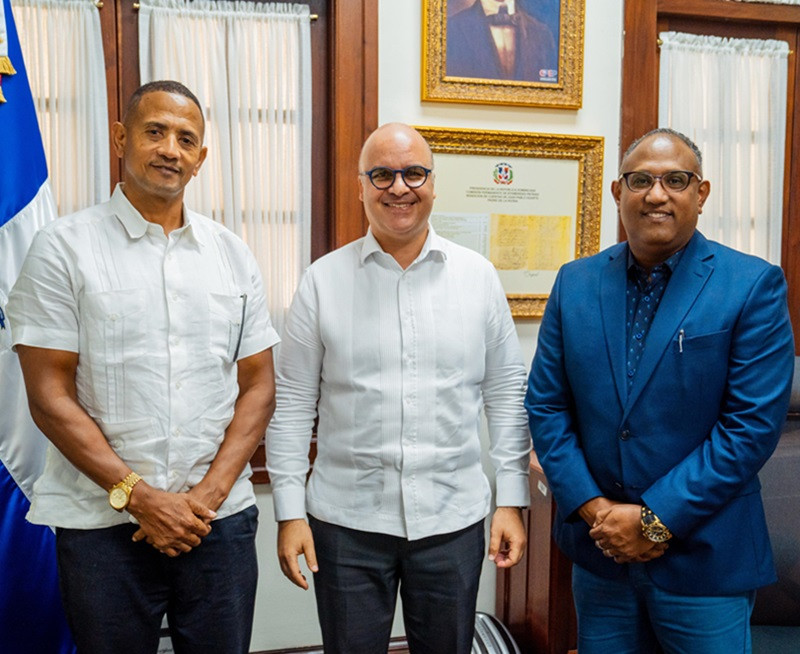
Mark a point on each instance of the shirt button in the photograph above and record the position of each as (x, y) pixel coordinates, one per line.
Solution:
(639, 336)
(114, 316)
(631, 373)
(178, 385)
(624, 435)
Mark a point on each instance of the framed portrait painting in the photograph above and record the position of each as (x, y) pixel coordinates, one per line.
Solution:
(514, 52)
(528, 202)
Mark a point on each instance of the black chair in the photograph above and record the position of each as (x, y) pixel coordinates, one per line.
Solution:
(776, 616)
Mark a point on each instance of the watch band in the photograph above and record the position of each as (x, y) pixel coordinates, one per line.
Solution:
(652, 528)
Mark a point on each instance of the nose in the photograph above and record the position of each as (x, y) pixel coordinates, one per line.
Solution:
(657, 193)
(399, 186)
(168, 146)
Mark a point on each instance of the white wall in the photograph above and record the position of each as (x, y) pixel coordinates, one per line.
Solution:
(285, 615)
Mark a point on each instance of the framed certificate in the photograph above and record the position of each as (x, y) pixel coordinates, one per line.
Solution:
(527, 202)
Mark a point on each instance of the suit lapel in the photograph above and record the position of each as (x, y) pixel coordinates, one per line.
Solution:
(682, 290)
(612, 306)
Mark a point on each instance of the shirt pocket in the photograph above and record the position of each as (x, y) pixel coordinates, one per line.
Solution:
(226, 313)
(115, 324)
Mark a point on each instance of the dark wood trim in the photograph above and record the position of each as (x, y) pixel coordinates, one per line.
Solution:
(726, 10)
(108, 30)
(534, 598)
(354, 110)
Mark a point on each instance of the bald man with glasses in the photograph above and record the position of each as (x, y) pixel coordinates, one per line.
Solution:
(396, 342)
(658, 390)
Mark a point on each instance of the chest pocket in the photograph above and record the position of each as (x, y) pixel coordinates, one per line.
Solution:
(225, 320)
(116, 326)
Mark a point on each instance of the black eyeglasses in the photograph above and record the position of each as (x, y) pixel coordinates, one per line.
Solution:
(382, 177)
(639, 181)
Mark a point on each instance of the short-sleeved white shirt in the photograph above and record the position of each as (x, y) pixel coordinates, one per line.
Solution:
(159, 323)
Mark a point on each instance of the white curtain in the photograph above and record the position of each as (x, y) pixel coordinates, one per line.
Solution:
(729, 97)
(250, 65)
(63, 51)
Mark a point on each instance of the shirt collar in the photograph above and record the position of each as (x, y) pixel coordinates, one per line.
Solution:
(671, 264)
(135, 224)
(491, 7)
(434, 244)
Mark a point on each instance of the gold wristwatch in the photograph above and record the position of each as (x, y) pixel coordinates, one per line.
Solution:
(120, 494)
(652, 528)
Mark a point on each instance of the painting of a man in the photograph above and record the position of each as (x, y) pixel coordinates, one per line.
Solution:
(503, 40)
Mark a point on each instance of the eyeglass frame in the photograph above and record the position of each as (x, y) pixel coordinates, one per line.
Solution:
(395, 171)
(658, 178)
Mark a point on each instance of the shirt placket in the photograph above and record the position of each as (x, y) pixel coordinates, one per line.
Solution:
(178, 309)
(409, 388)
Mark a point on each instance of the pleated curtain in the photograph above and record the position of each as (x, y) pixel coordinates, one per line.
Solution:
(63, 50)
(250, 66)
(729, 96)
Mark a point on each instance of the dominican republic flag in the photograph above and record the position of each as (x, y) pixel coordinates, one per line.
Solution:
(31, 618)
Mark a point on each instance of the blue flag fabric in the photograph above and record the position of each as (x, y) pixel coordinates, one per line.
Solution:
(31, 617)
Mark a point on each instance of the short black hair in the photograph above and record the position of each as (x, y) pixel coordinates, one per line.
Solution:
(166, 85)
(669, 132)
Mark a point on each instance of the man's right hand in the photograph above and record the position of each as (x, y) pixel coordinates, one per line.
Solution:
(170, 522)
(294, 538)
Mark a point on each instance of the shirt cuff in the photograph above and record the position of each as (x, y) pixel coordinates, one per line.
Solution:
(513, 490)
(289, 503)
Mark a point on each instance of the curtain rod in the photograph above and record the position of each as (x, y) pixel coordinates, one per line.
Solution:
(99, 5)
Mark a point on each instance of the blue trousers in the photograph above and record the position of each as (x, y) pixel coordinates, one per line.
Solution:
(634, 616)
(358, 579)
(116, 592)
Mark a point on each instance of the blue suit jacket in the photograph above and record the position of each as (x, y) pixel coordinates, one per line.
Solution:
(704, 414)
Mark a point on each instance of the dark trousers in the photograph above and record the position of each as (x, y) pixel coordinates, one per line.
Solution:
(359, 575)
(116, 592)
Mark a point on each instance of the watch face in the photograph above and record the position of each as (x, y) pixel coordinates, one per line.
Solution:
(118, 498)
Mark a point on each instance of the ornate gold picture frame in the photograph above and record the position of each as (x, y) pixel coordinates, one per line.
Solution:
(528, 202)
(542, 65)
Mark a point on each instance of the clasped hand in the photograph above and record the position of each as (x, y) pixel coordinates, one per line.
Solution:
(171, 522)
(617, 530)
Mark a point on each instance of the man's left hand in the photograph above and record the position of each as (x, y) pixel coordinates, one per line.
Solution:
(507, 538)
(618, 532)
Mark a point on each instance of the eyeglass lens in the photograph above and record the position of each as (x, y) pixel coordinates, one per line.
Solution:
(676, 180)
(383, 178)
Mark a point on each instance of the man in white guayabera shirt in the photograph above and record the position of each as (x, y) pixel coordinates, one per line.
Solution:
(144, 339)
(396, 341)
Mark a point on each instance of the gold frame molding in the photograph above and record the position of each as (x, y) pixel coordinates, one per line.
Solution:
(586, 150)
(565, 94)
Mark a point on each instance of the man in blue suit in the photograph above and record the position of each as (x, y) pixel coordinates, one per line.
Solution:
(658, 390)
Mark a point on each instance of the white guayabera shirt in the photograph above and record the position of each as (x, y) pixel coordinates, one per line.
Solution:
(398, 363)
(159, 323)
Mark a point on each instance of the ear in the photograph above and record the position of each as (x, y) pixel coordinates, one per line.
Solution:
(200, 160)
(433, 186)
(118, 137)
(616, 190)
(702, 194)
(360, 181)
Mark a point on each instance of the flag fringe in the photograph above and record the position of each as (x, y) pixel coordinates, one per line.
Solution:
(2, 97)
(5, 66)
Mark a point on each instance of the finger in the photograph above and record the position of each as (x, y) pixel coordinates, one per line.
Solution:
(200, 510)
(138, 535)
(495, 541)
(311, 555)
(291, 569)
